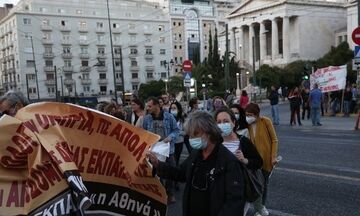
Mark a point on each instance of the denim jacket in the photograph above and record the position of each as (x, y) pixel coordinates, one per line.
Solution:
(171, 128)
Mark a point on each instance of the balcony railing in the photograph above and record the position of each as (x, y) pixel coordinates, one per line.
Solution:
(85, 81)
(49, 69)
(47, 41)
(65, 28)
(66, 55)
(118, 81)
(49, 82)
(68, 69)
(149, 56)
(100, 30)
(84, 55)
(48, 55)
(65, 42)
(102, 68)
(103, 81)
(46, 27)
(101, 56)
(85, 69)
(134, 68)
(84, 42)
(69, 82)
(83, 29)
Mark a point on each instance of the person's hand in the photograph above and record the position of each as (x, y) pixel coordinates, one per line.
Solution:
(239, 155)
(274, 162)
(167, 140)
(153, 159)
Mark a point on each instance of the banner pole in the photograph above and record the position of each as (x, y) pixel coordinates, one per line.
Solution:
(342, 101)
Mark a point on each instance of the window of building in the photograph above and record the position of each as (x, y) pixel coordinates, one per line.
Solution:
(117, 50)
(180, 46)
(31, 77)
(30, 63)
(99, 25)
(79, 11)
(148, 51)
(163, 74)
(117, 63)
(162, 51)
(116, 25)
(66, 49)
(48, 49)
(63, 23)
(61, 11)
(179, 24)
(205, 47)
(134, 75)
(48, 63)
(68, 76)
(86, 76)
(174, 23)
(46, 36)
(86, 88)
(83, 37)
(131, 26)
(103, 89)
(161, 28)
(32, 90)
(162, 40)
(101, 50)
(133, 51)
(84, 63)
(133, 38)
(100, 37)
(116, 37)
(67, 63)
(102, 76)
(51, 90)
(50, 76)
(27, 21)
(133, 62)
(149, 75)
(175, 46)
(135, 87)
(46, 22)
(84, 50)
(204, 24)
(82, 24)
(118, 75)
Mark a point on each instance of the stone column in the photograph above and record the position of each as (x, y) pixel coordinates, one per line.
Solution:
(262, 38)
(241, 43)
(233, 40)
(286, 40)
(251, 38)
(274, 39)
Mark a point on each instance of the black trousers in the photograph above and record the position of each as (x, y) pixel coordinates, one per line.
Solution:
(304, 109)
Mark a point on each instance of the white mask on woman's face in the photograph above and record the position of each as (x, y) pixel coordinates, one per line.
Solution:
(250, 119)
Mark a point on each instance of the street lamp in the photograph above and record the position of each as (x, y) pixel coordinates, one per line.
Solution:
(168, 66)
(204, 96)
(237, 85)
(166, 87)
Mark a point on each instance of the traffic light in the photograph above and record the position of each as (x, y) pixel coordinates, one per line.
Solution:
(306, 77)
(306, 72)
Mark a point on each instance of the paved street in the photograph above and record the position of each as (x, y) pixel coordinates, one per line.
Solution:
(319, 173)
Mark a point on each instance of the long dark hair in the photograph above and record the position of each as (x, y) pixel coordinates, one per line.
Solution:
(241, 123)
(180, 114)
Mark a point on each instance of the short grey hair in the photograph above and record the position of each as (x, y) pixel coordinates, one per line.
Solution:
(15, 97)
(201, 121)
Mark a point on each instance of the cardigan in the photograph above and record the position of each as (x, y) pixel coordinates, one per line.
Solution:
(266, 141)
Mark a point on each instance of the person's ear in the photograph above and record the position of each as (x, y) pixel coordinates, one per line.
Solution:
(19, 106)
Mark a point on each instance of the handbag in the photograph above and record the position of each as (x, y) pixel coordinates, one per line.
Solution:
(254, 182)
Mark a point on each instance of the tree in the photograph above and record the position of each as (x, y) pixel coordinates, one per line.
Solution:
(151, 89)
(210, 54)
(269, 76)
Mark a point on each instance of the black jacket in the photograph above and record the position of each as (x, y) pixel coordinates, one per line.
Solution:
(274, 98)
(250, 152)
(226, 190)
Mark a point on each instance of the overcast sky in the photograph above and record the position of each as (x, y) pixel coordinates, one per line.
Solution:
(2, 2)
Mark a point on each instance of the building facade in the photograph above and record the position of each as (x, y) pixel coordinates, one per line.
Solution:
(282, 31)
(74, 36)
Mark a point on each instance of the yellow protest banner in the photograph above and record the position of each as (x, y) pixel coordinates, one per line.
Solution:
(52, 151)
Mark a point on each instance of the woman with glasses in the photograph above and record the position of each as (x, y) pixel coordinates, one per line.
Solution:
(239, 145)
(213, 175)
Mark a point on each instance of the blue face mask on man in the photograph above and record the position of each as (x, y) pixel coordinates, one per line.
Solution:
(225, 128)
(198, 143)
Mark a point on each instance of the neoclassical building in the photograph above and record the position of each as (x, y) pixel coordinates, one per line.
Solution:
(277, 32)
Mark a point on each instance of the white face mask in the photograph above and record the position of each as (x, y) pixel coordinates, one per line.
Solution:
(250, 119)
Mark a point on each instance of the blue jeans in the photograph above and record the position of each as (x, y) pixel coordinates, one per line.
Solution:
(275, 114)
(315, 115)
(346, 108)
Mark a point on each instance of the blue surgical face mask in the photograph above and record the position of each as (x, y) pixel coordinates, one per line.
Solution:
(174, 112)
(197, 143)
(226, 129)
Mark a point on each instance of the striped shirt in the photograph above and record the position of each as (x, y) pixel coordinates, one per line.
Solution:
(232, 145)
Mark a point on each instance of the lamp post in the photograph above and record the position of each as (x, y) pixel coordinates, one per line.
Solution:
(204, 96)
(237, 85)
(166, 85)
(168, 66)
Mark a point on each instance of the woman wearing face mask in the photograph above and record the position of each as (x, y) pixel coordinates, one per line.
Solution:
(213, 175)
(262, 134)
(241, 124)
(218, 103)
(177, 112)
(241, 146)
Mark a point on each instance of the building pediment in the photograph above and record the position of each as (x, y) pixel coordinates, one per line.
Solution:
(251, 5)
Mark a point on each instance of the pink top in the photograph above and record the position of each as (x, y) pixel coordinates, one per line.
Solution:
(244, 100)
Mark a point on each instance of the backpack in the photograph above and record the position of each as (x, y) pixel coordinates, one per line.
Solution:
(254, 181)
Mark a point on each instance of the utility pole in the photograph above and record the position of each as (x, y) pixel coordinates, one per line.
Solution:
(36, 76)
(122, 76)
(226, 57)
(56, 85)
(62, 88)
(27, 87)
(112, 52)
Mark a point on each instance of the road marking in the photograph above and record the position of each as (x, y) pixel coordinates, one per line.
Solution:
(335, 168)
(280, 213)
(319, 174)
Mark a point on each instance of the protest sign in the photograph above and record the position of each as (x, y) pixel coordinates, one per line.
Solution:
(60, 158)
(329, 79)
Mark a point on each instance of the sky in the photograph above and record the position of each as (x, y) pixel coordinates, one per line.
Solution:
(2, 2)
